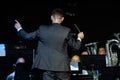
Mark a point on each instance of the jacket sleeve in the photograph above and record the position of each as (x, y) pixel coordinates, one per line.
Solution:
(73, 42)
(26, 35)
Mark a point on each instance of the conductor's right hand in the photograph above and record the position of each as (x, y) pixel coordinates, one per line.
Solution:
(17, 25)
(81, 35)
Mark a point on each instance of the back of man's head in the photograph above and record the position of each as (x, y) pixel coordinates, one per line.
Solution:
(58, 11)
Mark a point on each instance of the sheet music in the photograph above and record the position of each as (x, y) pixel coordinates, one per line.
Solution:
(2, 50)
(74, 66)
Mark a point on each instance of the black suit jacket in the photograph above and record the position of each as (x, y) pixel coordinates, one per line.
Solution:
(51, 52)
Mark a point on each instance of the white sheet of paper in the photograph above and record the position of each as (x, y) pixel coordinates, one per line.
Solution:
(74, 66)
(2, 50)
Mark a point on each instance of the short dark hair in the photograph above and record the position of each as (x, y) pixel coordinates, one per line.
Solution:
(58, 11)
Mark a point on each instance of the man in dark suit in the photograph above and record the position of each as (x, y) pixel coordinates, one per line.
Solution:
(53, 40)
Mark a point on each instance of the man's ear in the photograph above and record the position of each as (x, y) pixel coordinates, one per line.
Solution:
(51, 17)
(62, 18)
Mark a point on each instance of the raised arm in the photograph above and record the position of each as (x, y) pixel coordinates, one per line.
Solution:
(17, 25)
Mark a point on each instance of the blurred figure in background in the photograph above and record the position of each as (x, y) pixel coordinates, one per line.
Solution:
(102, 51)
(106, 73)
(85, 53)
(75, 58)
(11, 76)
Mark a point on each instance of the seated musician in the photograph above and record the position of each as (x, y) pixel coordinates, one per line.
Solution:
(76, 59)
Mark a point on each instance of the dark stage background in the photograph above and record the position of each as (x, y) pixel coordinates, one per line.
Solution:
(99, 20)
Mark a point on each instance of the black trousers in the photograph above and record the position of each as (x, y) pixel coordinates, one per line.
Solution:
(56, 75)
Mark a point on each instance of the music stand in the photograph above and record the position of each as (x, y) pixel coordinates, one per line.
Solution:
(75, 68)
(93, 61)
(22, 71)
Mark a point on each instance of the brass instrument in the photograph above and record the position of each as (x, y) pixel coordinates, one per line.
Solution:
(112, 54)
(92, 47)
(112, 47)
